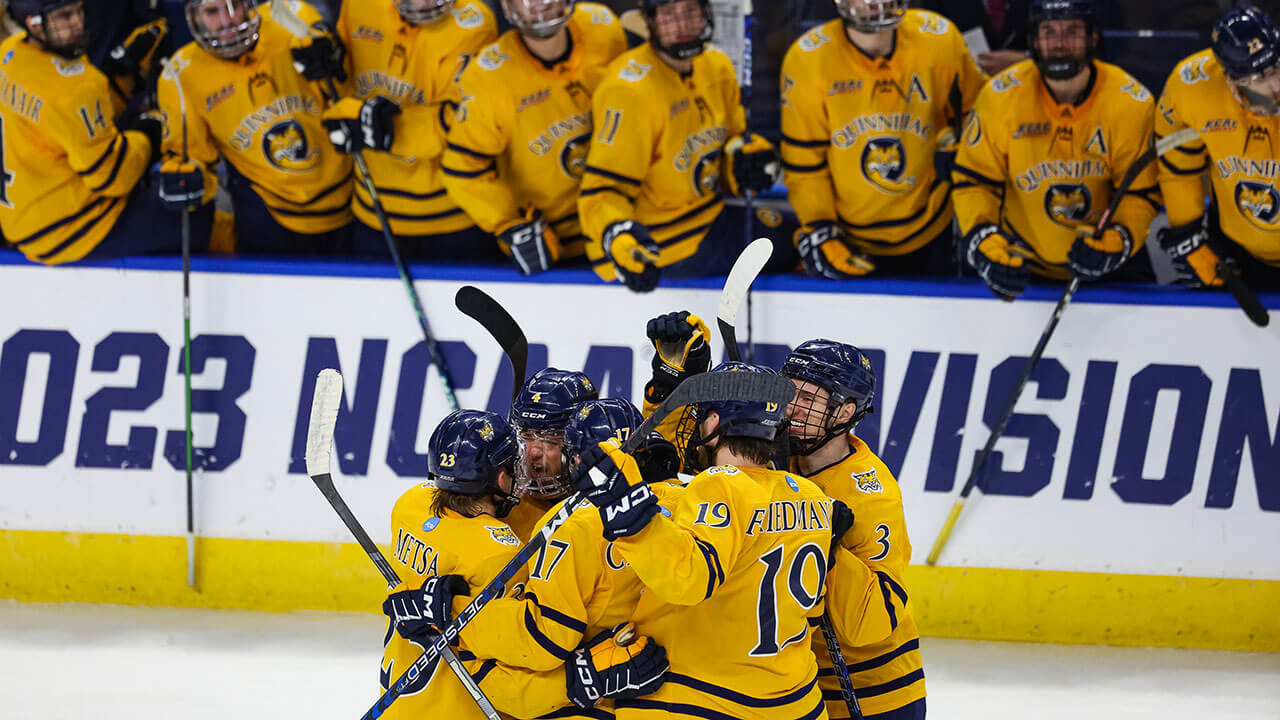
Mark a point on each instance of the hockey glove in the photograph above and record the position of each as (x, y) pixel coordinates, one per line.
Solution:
(181, 184)
(944, 155)
(1092, 257)
(751, 165)
(658, 459)
(841, 523)
(354, 126)
(615, 664)
(1193, 259)
(611, 480)
(419, 613)
(997, 263)
(634, 254)
(320, 56)
(826, 255)
(533, 246)
(134, 56)
(148, 124)
(682, 350)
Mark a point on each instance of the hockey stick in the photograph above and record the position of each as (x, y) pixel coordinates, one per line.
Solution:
(1248, 302)
(1149, 156)
(736, 288)
(477, 305)
(705, 387)
(748, 222)
(842, 669)
(283, 14)
(320, 428)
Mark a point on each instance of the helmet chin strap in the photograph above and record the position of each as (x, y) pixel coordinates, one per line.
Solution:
(1256, 101)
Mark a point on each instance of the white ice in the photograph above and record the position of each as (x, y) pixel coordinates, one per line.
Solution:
(109, 663)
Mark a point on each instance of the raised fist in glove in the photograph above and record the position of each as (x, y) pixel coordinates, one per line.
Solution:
(354, 126)
(682, 350)
(427, 610)
(751, 164)
(611, 480)
(825, 254)
(534, 247)
(1193, 258)
(634, 254)
(1092, 256)
(997, 262)
(616, 663)
(134, 56)
(181, 184)
(320, 56)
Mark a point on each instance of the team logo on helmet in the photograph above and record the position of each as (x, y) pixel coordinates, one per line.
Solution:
(706, 174)
(286, 148)
(486, 432)
(1067, 203)
(1259, 203)
(573, 158)
(867, 482)
(884, 164)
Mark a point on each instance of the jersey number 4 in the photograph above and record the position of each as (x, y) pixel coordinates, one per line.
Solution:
(795, 591)
(6, 177)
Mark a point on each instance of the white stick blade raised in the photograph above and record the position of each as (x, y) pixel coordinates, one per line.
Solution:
(324, 417)
(744, 272)
(285, 13)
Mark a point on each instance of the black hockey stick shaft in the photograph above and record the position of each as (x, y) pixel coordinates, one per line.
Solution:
(1244, 297)
(705, 387)
(748, 221)
(842, 669)
(479, 306)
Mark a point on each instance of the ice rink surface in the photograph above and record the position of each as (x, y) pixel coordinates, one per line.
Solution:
(121, 663)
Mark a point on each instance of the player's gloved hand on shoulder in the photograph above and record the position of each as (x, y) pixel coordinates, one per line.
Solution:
(354, 126)
(752, 164)
(944, 154)
(841, 523)
(616, 664)
(658, 458)
(611, 480)
(682, 350)
(420, 612)
(1092, 256)
(1194, 259)
(998, 264)
(534, 247)
(180, 183)
(320, 56)
(134, 56)
(825, 254)
(634, 254)
(149, 124)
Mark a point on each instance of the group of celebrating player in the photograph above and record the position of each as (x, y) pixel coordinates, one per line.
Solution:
(677, 596)
(554, 142)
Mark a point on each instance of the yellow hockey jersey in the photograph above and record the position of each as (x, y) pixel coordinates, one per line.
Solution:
(418, 66)
(1042, 168)
(65, 171)
(874, 620)
(656, 155)
(259, 114)
(859, 133)
(523, 127)
(1243, 160)
(731, 580)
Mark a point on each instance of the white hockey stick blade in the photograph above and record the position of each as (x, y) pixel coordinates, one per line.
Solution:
(744, 272)
(285, 13)
(324, 416)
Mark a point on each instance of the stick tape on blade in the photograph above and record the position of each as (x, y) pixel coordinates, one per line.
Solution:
(324, 415)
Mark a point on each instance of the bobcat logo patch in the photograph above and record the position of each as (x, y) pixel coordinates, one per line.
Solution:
(884, 164)
(503, 535)
(1259, 203)
(573, 158)
(706, 174)
(867, 482)
(1067, 203)
(285, 146)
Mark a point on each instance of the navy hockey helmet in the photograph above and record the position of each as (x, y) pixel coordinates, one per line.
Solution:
(539, 413)
(871, 16)
(597, 421)
(59, 26)
(687, 43)
(420, 12)
(224, 28)
(1246, 43)
(467, 450)
(845, 373)
(1062, 66)
(743, 419)
(538, 18)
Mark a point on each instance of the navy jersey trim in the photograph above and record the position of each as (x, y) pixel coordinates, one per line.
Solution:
(84, 230)
(612, 175)
(896, 684)
(115, 169)
(468, 151)
(545, 642)
(737, 697)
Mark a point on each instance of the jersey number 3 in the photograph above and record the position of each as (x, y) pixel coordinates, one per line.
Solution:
(795, 591)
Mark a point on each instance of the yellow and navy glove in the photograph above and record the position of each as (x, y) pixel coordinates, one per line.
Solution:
(615, 664)
(320, 56)
(534, 247)
(1092, 255)
(417, 613)
(825, 254)
(997, 261)
(354, 126)
(181, 184)
(1193, 258)
(682, 350)
(135, 56)
(634, 254)
(751, 164)
(611, 480)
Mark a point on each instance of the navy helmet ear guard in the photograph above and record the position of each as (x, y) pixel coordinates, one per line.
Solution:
(597, 421)
(1062, 68)
(846, 374)
(679, 50)
(467, 450)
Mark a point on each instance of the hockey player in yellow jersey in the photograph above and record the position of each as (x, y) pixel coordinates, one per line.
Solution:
(1231, 95)
(69, 177)
(869, 607)
(669, 145)
(519, 141)
(731, 577)
(234, 94)
(406, 57)
(1048, 141)
(865, 99)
